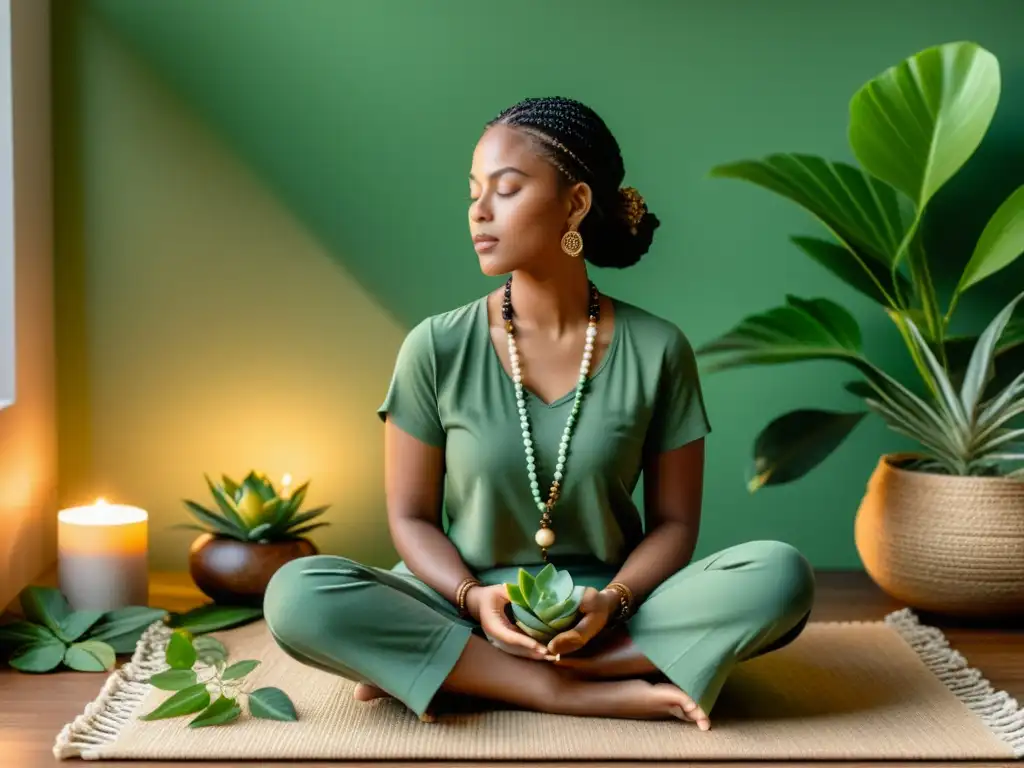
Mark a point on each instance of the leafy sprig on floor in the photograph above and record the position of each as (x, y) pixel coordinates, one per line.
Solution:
(206, 684)
(51, 635)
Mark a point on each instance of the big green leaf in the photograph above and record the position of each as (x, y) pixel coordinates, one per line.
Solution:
(211, 617)
(184, 702)
(76, 624)
(866, 276)
(44, 605)
(918, 122)
(864, 213)
(24, 633)
(1001, 242)
(802, 329)
(795, 443)
(39, 656)
(122, 627)
(272, 704)
(90, 656)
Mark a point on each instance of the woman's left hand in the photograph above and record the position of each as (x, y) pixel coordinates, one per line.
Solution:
(596, 609)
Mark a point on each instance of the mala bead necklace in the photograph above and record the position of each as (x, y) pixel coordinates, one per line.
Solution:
(545, 536)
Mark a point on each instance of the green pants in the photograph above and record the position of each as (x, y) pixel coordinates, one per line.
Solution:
(388, 628)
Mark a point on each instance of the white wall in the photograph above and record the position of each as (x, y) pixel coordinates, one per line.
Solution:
(28, 426)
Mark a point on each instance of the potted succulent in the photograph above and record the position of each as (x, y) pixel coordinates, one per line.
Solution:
(545, 604)
(941, 528)
(253, 531)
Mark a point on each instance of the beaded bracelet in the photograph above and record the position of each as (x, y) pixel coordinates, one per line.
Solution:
(460, 595)
(626, 600)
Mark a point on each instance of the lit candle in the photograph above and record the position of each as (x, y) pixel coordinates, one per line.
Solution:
(102, 556)
(286, 485)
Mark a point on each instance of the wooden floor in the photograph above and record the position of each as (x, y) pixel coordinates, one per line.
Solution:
(33, 708)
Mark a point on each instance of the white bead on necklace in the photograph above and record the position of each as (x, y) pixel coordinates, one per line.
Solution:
(545, 536)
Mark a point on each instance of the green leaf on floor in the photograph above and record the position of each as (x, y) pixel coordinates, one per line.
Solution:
(239, 669)
(19, 633)
(44, 605)
(122, 628)
(211, 617)
(77, 624)
(184, 702)
(223, 710)
(38, 656)
(210, 650)
(271, 704)
(173, 679)
(90, 656)
(180, 654)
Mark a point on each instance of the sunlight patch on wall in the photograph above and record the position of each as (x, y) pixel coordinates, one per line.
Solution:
(223, 337)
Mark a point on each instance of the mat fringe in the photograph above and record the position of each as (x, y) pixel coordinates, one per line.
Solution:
(119, 699)
(1000, 712)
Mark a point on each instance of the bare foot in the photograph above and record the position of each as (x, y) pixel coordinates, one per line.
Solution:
(367, 692)
(637, 699)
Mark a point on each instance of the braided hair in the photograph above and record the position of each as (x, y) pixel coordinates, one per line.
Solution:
(618, 229)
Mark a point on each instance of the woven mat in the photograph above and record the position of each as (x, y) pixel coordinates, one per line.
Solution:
(842, 691)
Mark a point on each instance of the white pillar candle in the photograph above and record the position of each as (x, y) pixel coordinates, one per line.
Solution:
(103, 556)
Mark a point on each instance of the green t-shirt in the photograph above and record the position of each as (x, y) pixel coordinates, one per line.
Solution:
(449, 389)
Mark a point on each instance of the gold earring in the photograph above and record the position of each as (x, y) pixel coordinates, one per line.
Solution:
(572, 243)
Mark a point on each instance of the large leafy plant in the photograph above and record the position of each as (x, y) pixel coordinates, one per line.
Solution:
(51, 635)
(253, 510)
(545, 604)
(911, 129)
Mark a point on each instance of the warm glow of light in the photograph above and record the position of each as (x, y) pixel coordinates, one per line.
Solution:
(102, 513)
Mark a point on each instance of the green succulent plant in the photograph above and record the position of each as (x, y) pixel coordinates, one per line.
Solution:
(545, 604)
(911, 129)
(253, 511)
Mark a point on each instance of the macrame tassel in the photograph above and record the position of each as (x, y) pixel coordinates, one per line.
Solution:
(101, 722)
(997, 709)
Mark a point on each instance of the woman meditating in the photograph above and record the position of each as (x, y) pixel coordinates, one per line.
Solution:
(529, 415)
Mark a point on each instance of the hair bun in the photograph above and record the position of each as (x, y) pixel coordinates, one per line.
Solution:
(634, 208)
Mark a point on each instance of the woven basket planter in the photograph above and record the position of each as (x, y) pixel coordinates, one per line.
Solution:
(950, 545)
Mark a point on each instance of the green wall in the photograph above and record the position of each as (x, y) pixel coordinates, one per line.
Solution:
(255, 200)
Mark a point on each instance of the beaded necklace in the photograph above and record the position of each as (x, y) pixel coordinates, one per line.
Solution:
(545, 536)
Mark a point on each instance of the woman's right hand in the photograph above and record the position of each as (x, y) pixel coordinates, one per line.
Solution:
(487, 605)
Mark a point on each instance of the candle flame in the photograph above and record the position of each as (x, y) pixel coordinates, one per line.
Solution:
(286, 480)
(101, 502)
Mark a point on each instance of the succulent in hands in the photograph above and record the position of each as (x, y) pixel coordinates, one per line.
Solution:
(545, 604)
(253, 510)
